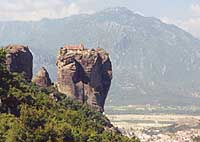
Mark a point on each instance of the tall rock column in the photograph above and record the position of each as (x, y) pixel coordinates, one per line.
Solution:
(84, 74)
(19, 59)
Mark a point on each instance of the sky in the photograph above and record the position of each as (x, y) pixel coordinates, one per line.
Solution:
(183, 13)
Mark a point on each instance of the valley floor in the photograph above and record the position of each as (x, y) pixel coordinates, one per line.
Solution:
(158, 128)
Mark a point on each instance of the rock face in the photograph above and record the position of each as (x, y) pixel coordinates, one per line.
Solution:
(42, 78)
(84, 74)
(19, 59)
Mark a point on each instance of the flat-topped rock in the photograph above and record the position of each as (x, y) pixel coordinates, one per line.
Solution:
(84, 74)
(19, 59)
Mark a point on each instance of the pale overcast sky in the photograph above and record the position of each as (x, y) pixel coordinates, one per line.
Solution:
(184, 13)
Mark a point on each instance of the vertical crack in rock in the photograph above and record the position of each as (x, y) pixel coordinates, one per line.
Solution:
(84, 74)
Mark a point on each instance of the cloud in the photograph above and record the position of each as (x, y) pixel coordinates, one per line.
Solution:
(168, 20)
(195, 8)
(191, 25)
(36, 9)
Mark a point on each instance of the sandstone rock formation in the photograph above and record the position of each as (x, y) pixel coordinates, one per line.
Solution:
(19, 59)
(42, 78)
(84, 74)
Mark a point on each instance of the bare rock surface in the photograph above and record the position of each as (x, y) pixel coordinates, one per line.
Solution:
(19, 59)
(84, 74)
(42, 78)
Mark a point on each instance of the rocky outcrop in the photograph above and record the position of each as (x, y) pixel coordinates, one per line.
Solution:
(42, 78)
(19, 59)
(84, 74)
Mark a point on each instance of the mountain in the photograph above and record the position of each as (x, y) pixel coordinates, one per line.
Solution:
(153, 62)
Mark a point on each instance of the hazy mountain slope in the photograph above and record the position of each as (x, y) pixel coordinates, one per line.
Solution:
(153, 62)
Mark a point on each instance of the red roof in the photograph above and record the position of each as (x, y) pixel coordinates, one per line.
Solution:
(74, 47)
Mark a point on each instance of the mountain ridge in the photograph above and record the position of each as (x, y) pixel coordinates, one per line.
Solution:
(153, 62)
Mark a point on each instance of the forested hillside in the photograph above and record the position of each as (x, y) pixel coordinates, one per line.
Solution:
(31, 114)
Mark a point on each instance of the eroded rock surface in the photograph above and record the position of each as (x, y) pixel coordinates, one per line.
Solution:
(42, 78)
(84, 74)
(19, 59)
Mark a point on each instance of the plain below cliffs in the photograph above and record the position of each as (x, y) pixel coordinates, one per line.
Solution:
(84, 74)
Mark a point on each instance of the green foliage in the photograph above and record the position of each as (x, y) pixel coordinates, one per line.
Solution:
(29, 114)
